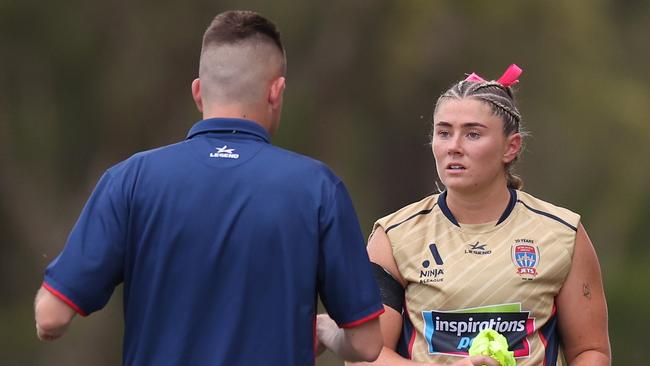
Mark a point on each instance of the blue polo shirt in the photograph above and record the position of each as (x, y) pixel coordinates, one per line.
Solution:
(223, 242)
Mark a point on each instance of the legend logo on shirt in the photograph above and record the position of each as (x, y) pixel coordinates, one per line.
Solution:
(224, 152)
(478, 249)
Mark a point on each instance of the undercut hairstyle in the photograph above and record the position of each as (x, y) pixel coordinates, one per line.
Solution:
(234, 26)
(241, 53)
(502, 104)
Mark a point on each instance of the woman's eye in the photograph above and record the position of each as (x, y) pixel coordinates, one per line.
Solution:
(473, 135)
(443, 133)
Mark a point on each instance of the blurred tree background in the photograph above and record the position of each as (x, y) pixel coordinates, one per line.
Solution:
(85, 84)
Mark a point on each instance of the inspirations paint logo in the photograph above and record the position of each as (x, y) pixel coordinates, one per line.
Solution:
(452, 332)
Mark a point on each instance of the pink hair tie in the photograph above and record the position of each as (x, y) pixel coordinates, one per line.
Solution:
(474, 77)
(509, 77)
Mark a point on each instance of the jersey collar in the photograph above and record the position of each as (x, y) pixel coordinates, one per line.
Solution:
(228, 125)
(442, 203)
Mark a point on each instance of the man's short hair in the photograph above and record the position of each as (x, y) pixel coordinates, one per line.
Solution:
(241, 53)
(235, 26)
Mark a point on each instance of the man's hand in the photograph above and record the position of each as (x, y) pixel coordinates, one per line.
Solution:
(361, 343)
(52, 315)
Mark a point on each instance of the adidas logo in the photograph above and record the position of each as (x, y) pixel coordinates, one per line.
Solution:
(224, 152)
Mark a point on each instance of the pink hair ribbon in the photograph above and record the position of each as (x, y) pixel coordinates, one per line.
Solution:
(474, 77)
(508, 78)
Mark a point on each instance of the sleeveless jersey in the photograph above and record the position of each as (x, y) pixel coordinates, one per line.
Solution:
(461, 279)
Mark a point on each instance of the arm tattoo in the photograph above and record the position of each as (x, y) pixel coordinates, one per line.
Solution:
(586, 290)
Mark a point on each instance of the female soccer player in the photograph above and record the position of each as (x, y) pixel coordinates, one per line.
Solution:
(483, 253)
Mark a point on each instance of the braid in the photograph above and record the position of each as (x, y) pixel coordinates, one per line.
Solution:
(502, 103)
(494, 96)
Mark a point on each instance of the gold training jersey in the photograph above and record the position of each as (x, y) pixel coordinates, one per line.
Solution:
(504, 275)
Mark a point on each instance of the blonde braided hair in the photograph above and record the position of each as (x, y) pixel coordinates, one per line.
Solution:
(502, 103)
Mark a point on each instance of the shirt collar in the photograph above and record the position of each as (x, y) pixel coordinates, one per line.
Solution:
(442, 203)
(228, 125)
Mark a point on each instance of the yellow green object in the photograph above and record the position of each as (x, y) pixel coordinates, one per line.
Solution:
(491, 343)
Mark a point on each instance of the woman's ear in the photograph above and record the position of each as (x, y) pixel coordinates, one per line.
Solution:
(512, 147)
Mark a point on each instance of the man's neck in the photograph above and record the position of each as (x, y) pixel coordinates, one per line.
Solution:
(237, 112)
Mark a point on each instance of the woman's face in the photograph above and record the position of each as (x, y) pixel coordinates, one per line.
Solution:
(469, 145)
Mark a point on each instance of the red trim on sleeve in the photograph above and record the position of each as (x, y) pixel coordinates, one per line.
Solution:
(370, 317)
(65, 299)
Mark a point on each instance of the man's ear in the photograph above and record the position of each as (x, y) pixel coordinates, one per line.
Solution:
(276, 91)
(196, 94)
(512, 147)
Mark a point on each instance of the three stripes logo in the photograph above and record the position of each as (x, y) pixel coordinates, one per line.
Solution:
(429, 272)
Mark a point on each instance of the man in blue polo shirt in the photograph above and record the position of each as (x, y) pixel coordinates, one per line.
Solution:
(222, 241)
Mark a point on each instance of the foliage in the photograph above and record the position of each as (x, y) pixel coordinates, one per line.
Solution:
(85, 84)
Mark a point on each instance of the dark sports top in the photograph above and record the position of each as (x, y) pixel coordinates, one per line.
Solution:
(223, 243)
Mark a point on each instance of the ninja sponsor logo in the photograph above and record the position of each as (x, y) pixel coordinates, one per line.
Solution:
(452, 332)
(427, 274)
(432, 275)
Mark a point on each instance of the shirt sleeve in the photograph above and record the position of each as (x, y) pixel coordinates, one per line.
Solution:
(346, 284)
(86, 272)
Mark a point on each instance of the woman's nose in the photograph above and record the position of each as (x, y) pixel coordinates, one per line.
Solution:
(454, 146)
